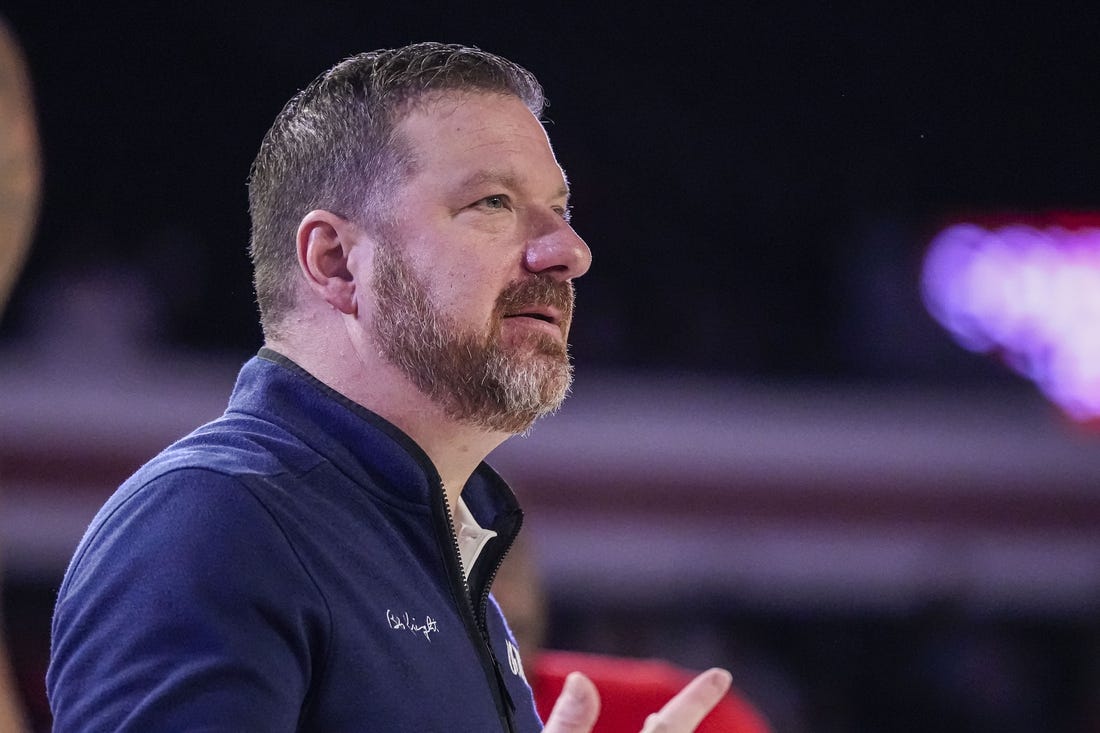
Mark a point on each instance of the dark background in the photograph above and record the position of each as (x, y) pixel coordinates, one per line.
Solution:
(757, 182)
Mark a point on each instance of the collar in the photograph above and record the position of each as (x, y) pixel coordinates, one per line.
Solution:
(471, 536)
(364, 445)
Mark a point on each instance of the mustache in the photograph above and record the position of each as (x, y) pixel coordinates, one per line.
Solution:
(540, 290)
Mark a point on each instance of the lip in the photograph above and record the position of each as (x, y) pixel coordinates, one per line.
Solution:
(543, 313)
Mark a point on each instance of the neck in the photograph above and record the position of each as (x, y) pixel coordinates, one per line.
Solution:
(455, 448)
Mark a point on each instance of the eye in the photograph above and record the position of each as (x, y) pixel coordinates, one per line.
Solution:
(498, 202)
(565, 212)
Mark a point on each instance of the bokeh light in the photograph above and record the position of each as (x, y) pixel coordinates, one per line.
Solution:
(1028, 293)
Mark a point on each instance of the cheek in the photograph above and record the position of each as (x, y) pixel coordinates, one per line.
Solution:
(474, 288)
(467, 299)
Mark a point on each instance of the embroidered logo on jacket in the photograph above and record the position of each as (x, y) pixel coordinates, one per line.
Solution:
(405, 622)
(514, 662)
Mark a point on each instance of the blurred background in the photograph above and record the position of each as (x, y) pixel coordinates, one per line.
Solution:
(795, 447)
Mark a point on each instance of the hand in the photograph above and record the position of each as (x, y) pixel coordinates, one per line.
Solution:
(578, 706)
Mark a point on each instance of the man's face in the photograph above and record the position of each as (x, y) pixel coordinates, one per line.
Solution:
(473, 279)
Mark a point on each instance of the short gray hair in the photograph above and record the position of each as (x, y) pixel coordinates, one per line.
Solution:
(334, 147)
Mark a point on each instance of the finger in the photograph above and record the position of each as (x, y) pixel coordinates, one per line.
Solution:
(683, 713)
(577, 707)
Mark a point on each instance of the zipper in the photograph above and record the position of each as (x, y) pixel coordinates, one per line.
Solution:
(503, 699)
(483, 602)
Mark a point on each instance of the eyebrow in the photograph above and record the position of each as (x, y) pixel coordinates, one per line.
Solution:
(507, 180)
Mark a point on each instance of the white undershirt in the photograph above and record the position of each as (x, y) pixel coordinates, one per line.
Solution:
(471, 536)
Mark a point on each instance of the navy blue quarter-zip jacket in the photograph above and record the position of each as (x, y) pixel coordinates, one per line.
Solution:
(290, 566)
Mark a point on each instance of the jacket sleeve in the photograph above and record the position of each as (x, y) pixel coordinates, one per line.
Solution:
(185, 608)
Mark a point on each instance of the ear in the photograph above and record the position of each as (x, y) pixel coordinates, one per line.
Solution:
(324, 242)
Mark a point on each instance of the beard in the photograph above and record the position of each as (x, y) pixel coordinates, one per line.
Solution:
(472, 374)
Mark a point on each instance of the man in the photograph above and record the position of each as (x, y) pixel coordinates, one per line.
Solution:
(319, 558)
(20, 189)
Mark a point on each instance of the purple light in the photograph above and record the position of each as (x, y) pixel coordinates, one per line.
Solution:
(1029, 294)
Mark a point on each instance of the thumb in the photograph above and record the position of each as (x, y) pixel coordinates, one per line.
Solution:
(577, 707)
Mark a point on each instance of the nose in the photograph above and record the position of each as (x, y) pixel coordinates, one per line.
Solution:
(557, 250)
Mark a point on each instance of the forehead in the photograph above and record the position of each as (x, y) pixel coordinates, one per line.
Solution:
(459, 135)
